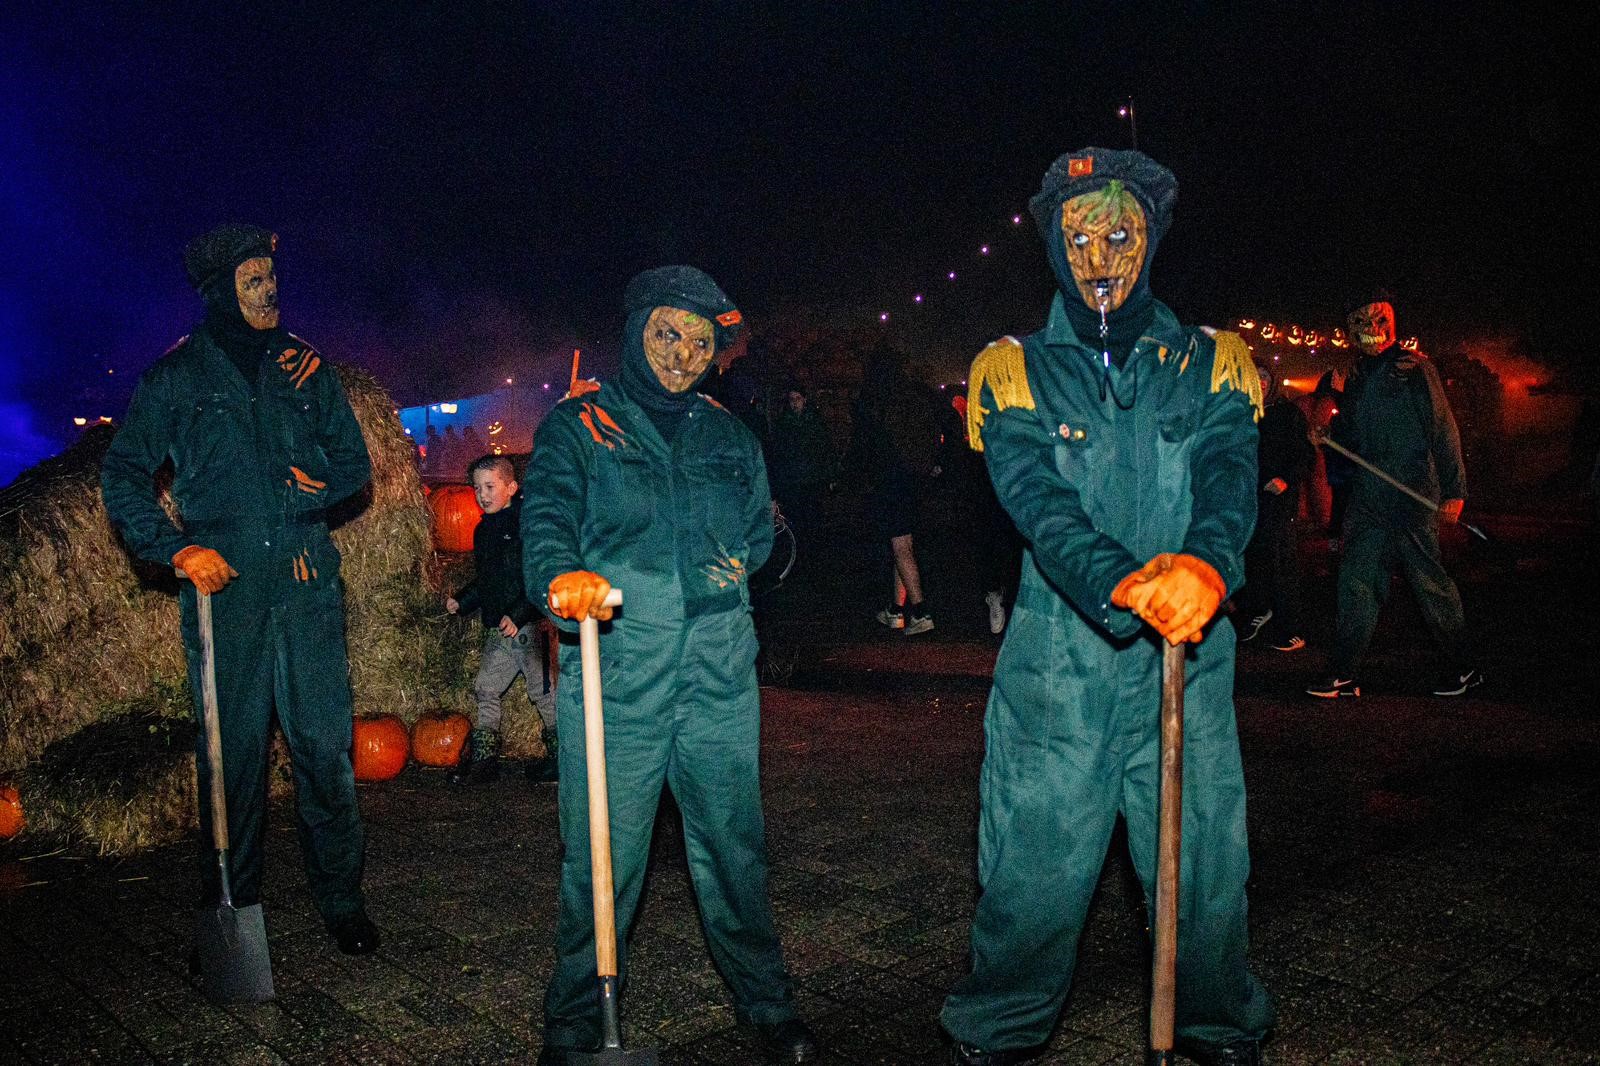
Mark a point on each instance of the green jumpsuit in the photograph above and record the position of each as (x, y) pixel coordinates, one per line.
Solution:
(1072, 726)
(278, 626)
(679, 528)
(1397, 417)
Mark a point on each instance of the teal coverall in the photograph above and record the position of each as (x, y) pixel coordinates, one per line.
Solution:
(279, 625)
(679, 528)
(1073, 721)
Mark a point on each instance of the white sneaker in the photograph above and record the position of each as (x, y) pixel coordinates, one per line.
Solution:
(997, 612)
(919, 623)
(892, 619)
(1253, 629)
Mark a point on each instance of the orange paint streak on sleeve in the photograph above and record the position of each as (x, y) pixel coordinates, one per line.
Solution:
(311, 365)
(607, 421)
(584, 417)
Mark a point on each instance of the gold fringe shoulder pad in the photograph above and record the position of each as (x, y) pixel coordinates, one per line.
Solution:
(1002, 367)
(1233, 368)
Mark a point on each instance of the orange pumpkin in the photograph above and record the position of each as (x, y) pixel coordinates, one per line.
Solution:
(455, 515)
(11, 820)
(380, 747)
(437, 736)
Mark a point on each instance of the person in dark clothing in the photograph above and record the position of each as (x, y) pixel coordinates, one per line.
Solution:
(262, 442)
(1123, 445)
(802, 462)
(895, 441)
(1396, 416)
(1272, 561)
(511, 645)
(649, 486)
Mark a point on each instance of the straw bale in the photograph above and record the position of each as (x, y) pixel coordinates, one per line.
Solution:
(88, 635)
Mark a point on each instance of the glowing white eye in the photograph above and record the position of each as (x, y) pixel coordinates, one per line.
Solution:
(1080, 239)
(1117, 236)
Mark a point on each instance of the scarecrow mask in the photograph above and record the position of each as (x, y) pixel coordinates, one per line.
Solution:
(679, 345)
(1372, 327)
(1106, 239)
(255, 283)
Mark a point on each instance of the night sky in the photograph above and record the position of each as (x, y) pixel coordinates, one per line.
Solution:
(463, 191)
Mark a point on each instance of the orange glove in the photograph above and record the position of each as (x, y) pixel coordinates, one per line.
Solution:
(1450, 510)
(579, 594)
(208, 570)
(1176, 594)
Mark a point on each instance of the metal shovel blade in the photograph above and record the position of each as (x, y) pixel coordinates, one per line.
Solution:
(234, 965)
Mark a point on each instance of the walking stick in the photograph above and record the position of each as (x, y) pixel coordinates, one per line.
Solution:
(610, 1052)
(1164, 965)
(1385, 476)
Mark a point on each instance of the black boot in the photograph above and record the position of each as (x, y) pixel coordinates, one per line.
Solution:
(354, 933)
(546, 770)
(480, 759)
(789, 1041)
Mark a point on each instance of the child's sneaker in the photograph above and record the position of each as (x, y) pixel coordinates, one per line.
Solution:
(918, 621)
(1332, 688)
(997, 612)
(480, 759)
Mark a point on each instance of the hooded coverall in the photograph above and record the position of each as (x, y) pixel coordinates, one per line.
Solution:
(1396, 416)
(679, 528)
(1073, 721)
(279, 625)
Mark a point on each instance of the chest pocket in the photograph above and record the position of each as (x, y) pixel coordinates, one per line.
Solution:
(720, 488)
(623, 493)
(1174, 451)
(216, 437)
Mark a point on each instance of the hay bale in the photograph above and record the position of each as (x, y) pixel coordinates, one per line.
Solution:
(88, 634)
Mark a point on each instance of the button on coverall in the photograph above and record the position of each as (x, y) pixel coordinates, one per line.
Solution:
(279, 625)
(679, 528)
(1073, 721)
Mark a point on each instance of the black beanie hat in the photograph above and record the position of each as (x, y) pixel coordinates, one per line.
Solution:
(687, 288)
(1090, 169)
(223, 249)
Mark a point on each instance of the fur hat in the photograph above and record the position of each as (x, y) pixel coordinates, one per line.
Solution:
(223, 249)
(690, 289)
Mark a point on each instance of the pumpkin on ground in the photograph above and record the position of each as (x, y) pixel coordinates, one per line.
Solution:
(380, 747)
(11, 820)
(437, 736)
(455, 515)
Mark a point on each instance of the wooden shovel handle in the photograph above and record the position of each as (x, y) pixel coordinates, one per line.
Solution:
(213, 725)
(1164, 966)
(594, 750)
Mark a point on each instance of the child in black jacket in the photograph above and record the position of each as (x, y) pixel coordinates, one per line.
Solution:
(511, 645)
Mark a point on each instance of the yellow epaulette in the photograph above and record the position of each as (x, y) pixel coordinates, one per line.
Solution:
(1000, 366)
(1234, 368)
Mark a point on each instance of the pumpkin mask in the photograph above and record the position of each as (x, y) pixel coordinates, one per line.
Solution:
(1106, 240)
(255, 284)
(1372, 327)
(679, 346)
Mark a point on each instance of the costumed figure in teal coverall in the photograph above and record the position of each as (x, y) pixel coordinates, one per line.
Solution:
(262, 441)
(649, 486)
(1123, 445)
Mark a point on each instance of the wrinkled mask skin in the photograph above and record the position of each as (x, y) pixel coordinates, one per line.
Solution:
(679, 346)
(1106, 237)
(255, 283)
(1372, 327)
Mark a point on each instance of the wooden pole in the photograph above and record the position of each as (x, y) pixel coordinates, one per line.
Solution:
(1164, 966)
(594, 747)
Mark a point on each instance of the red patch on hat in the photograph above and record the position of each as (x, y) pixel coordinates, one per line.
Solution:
(729, 318)
(1080, 168)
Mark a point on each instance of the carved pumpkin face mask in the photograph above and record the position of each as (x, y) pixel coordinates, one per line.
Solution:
(1372, 327)
(678, 345)
(1106, 239)
(255, 283)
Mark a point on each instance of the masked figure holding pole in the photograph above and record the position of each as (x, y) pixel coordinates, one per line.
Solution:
(262, 441)
(649, 486)
(1123, 445)
(1395, 417)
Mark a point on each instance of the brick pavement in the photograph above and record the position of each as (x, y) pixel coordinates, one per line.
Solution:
(1423, 886)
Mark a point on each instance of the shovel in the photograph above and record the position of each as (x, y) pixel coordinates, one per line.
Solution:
(230, 941)
(1390, 479)
(610, 1051)
(1164, 967)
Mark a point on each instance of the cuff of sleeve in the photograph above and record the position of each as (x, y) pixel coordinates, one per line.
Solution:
(1230, 574)
(1118, 621)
